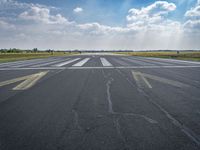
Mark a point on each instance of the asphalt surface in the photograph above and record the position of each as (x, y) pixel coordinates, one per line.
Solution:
(101, 102)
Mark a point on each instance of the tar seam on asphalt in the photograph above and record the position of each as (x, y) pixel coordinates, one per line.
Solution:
(110, 109)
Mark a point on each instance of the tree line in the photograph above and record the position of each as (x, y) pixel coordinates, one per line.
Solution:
(15, 50)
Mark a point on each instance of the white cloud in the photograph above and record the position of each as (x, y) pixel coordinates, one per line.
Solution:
(98, 29)
(194, 12)
(78, 10)
(6, 25)
(193, 16)
(41, 14)
(153, 17)
(16, 4)
(193, 24)
(151, 13)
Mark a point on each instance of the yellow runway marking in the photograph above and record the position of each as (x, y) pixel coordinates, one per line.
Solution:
(147, 82)
(141, 80)
(28, 81)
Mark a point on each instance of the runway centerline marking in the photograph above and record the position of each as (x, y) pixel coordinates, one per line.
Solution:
(28, 81)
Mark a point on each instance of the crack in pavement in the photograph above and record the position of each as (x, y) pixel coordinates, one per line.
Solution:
(110, 105)
(76, 120)
(116, 116)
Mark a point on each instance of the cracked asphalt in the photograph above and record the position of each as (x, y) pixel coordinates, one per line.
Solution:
(97, 107)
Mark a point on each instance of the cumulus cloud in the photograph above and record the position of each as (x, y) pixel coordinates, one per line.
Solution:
(153, 17)
(193, 16)
(40, 14)
(78, 10)
(194, 12)
(99, 29)
(152, 14)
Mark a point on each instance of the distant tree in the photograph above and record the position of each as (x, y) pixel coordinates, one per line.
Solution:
(3, 50)
(49, 51)
(14, 50)
(35, 50)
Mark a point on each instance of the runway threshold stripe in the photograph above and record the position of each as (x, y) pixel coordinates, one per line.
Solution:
(105, 62)
(48, 63)
(31, 63)
(67, 62)
(137, 62)
(15, 63)
(81, 63)
(121, 62)
(175, 60)
(156, 62)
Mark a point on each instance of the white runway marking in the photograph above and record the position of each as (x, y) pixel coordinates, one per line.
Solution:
(113, 67)
(48, 63)
(105, 62)
(81, 63)
(121, 62)
(137, 62)
(102, 54)
(16, 63)
(175, 60)
(156, 62)
(67, 62)
(133, 67)
(31, 63)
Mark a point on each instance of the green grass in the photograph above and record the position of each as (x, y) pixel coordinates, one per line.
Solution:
(186, 55)
(7, 57)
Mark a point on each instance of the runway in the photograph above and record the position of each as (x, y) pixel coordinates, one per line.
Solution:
(98, 101)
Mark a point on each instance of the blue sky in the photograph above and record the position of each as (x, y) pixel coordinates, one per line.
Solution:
(109, 12)
(110, 24)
